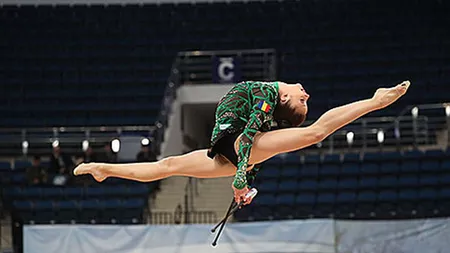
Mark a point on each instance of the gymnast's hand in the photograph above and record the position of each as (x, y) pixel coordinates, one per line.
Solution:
(239, 195)
(386, 96)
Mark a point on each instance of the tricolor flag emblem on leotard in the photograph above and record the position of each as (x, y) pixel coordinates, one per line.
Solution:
(265, 107)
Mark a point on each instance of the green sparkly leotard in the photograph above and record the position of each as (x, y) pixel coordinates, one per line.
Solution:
(247, 108)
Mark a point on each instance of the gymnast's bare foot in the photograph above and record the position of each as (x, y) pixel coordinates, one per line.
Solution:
(95, 169)
(386, 96)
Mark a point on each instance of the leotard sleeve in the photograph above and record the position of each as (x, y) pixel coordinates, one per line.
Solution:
(263, 101)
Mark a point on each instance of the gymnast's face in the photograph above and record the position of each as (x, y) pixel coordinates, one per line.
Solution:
(298, 98)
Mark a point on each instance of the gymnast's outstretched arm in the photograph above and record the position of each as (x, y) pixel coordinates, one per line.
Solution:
(265, 145)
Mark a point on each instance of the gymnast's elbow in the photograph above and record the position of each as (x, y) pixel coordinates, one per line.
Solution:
(318, 133)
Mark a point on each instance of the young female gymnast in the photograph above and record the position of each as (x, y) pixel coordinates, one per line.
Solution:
(241, 136)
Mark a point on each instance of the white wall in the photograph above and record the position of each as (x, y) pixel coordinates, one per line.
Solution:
(190, 95)
(302, 236)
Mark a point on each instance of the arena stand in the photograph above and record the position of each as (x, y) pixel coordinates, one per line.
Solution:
(108, 65)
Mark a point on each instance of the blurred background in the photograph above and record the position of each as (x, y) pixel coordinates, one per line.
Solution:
(137, 81)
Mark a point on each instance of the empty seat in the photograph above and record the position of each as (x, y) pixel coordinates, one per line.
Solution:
(388, 181)
(367, 196)
(326, 198)
(268, 186)
(285, 199)
(390, 167)
(307, 185)
(328, 184)
(305, 199)
(407, 194)
(408, 180)
(368, 182)
(387, 196)
(346, 197)
(369, 168)
(350, 183)
(329, 170)
(264, 199)
(288, 186)
(429, 180)
(349, 169)
(332, 159)
(410, 166)
(428, 194)
(430, 166)
(290, 172)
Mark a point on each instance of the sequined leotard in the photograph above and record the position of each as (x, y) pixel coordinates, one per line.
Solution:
(247, 108)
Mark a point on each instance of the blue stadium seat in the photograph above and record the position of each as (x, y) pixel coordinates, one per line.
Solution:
(387, 196)
(437, 154)
(369, 168)
(372, 157)
(290, 172)
(332, 159)
(309, 170)
(429, 180)
(52, 192)
(430, 166)
(133, 203)
(329, 170)
(285, 199)
(391, 156)
(350, 169)
(274, 161)
(21, 165)
(444, 193)
(390, 167)
(367, 196)
(5, 166)
(328, 184)
(305, 199)
(268, 186)
(265, 199)
(315, 159)
(346, 197)
(43, 205)
(446, 165)
(23, 205)
(308, 185)
(326, 198)
(351, 157)
(412, 155)
(388, 181)
(73, 192)
(428, 194)
(408, 194)
(288, 186)
(368, 182)
(410, 166)
(291, 158)
(94, 192)
(408, 180)
(31, 192)
(349, 183)
(270, 172)
(445, 179)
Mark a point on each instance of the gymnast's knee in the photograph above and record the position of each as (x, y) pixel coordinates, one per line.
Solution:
(169, 165)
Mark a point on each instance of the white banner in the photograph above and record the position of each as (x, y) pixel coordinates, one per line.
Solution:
(310, 236)
(313, 236)
(406, 236)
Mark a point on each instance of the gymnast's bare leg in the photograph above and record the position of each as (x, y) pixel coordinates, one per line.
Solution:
(266, 145)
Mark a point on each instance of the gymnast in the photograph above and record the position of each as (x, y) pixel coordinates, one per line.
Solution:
(242, 139)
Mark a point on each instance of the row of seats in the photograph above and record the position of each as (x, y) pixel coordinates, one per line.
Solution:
(372, 196)
(344, 183)
(373, 157)
(107, 191)
(78, 47)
